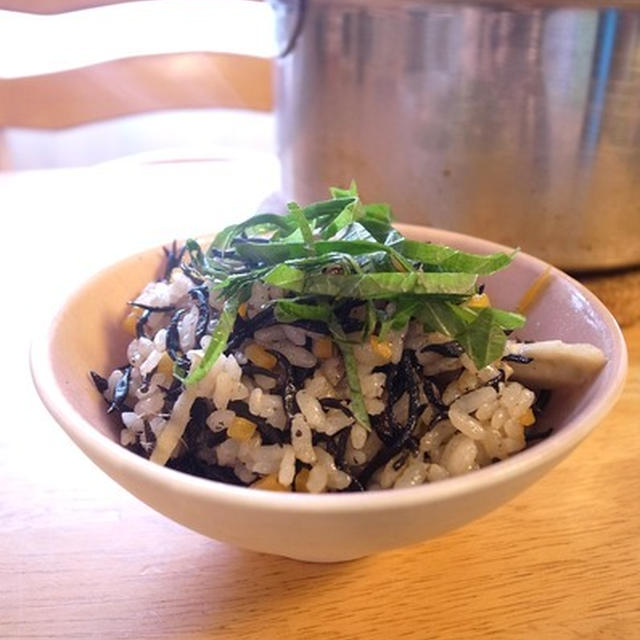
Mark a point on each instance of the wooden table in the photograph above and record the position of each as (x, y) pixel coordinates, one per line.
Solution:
(80, 558)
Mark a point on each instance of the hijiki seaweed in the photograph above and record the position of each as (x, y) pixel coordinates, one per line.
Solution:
(346, 275)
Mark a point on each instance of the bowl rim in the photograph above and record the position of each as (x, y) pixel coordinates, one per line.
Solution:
(99, 447)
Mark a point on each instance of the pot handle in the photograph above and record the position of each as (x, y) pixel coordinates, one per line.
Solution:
(290, 15)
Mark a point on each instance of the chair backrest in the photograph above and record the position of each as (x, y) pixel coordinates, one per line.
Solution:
(102, 62)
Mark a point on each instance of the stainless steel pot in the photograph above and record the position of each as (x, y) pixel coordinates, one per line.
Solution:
(509, 121)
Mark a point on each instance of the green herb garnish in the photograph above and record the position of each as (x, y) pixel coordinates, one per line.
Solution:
(358, 407)
(341, 250)
(218, 341)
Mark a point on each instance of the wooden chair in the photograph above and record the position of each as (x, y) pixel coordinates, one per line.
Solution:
(124, 85)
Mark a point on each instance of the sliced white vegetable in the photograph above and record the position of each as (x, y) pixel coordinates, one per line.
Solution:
(556, 363)
(173, 430)
(170, 435)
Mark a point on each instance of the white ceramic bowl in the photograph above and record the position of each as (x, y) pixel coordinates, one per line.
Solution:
(86, 334)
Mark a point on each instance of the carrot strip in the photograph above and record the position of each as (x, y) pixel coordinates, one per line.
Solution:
(534, 291)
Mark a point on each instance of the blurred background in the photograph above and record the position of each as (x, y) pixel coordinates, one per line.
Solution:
(82, 83)
(515, 121)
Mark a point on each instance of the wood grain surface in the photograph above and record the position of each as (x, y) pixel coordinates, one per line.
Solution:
(80, 558)
(620, 291)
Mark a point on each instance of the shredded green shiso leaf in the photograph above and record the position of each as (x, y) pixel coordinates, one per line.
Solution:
(342, 249)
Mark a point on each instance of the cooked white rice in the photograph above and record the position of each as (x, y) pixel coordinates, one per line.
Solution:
(235, 425)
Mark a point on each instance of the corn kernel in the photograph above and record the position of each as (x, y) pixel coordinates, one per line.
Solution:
(270, 483)
(479, 301)
(260, 356)
(300, 482)
(322, 348)
(165, 365)
(131, 320)
(527, 418)
(242, 310)
(241, 429)
(381, 348)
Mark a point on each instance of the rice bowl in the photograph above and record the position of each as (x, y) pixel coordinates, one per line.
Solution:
(321, 527)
